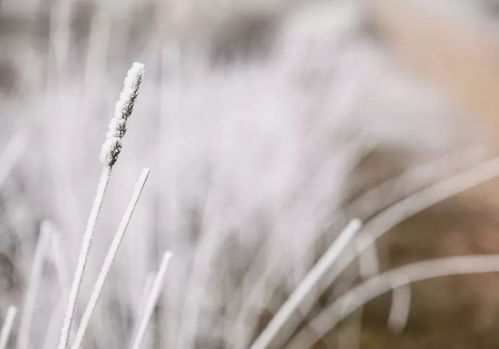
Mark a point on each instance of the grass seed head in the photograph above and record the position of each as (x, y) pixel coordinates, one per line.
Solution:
(123, 109)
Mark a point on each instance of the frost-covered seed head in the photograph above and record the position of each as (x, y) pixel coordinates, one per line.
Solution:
(123, 109)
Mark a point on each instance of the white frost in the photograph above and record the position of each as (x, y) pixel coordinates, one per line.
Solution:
(123, 109)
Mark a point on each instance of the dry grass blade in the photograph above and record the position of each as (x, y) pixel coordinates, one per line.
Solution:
(7, 326)
(328, 318)
(310, 281)
(110, 256)
(152, 299)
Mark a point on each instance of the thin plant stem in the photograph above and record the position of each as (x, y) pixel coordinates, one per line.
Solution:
(310, 281)
(109, 259)
(151, 302)
(7, 326)
(83, 256)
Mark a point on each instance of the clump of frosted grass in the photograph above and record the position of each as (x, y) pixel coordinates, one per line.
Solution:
(117, 126)
(109, 154)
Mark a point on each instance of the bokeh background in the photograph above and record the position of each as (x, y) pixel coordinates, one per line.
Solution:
(267, 126)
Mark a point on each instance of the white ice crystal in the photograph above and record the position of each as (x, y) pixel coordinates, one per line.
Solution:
(123, 109)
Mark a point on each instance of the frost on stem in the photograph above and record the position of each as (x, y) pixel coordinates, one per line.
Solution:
(117, 126)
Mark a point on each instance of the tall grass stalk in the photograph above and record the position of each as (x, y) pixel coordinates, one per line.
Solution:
(7, 326)
(110, 256)
(310, 281)
(152, 299)
(83, 256)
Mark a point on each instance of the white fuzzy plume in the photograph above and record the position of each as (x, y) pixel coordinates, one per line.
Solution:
(123, 109)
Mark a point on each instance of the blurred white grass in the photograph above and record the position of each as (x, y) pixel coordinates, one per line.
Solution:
(255, 155)
(7, 325)
(11, 154)
(399, 309)
(389, 218)
(152, 299)
(33, 285)
(366, 205)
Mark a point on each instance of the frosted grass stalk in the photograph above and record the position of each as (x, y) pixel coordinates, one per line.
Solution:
(110, 256)
(83, 256)
(145, 292)
(152, 299)
(7, 326)
(53, 325)
(109, 154)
